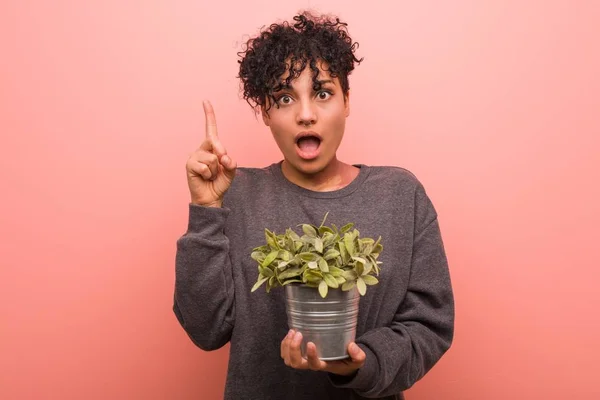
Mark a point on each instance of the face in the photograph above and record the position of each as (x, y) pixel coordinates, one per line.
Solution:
(308, 125)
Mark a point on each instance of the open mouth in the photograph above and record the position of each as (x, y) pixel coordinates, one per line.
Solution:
(307, 146)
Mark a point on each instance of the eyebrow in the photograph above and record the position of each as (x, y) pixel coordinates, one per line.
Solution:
(284, 86)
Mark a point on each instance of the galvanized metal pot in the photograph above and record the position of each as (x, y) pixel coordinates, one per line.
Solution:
(330, 322)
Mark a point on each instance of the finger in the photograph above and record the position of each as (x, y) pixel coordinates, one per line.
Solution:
(201, 170)
(295, 354)
(285, 343)
(211, 120)
(313, 360)
(357, 354)
(211, 161)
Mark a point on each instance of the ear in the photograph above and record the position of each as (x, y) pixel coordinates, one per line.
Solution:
(265, 116)
(347, 103)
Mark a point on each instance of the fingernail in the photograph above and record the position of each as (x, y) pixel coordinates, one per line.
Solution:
(225, 160)
(297, 337)
(290, 333)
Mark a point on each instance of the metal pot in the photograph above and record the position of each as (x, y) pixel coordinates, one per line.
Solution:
(330, 323)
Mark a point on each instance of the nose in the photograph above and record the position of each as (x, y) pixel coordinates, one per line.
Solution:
(306, 113)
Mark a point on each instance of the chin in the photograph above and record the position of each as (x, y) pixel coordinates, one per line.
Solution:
(309, 167)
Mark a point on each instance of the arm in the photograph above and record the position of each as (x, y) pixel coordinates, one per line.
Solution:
(204, 300)
(422, 330)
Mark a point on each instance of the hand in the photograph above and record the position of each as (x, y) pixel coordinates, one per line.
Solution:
(210, 170)
(292, 356)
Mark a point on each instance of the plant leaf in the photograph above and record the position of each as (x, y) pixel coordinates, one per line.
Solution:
(290, 273)
(269, 259)
(323, 265)
(324, 219)
(370, 280)
(340, 279)
(331, 254)
(362, 287)
(323, 289)
(258, 256)
(319, 244)
(330, 281)
(349, 243)
(346, 228)
(350, 275)
(291, 281)
(307, 256)
(309, 230)
(335, 271)
(313, 265)
(348, 285)
(259, 283)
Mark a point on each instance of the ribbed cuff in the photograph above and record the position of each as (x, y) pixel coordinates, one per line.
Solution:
(207, 221)
(365, 377)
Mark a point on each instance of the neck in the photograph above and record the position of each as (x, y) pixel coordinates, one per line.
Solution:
(334, 176)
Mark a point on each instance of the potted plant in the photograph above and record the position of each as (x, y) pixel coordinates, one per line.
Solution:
(323, 271)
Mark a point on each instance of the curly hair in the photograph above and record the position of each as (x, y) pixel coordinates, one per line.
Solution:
(282, 47)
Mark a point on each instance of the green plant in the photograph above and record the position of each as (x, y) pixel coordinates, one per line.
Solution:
(323, 257)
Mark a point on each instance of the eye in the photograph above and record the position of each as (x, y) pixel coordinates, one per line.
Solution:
(324, 95)
(285, 99)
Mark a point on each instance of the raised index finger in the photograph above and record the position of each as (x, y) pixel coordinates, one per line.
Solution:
(211, 121)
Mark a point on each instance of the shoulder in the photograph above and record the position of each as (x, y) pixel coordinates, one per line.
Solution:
(249, 180)
(395, 177)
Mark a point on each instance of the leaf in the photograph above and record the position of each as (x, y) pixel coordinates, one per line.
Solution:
(340, 279)
(346, 228)
(360, 268)
(313, 265)
(325, 229)
(349, 275)
(319, 244)
(335, 271)
(271, 239)
(258, 283)
(323, 289)
(324, 219)
(291, 281)
(258, 256)
(368, 267)
(284, 255)
(348, 285)
(330, 281)
(290, 273)
(343, 252)
(362, 287)
(309, 230)
(349, 243)
(370, 280)
(269, 259)
(331, 254)
(266, 272)
(323, 265)
(291, 234)
(306, 256)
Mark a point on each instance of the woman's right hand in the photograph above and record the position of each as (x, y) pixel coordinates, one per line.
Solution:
(210, 170)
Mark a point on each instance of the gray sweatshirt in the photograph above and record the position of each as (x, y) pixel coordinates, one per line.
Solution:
(405, 323)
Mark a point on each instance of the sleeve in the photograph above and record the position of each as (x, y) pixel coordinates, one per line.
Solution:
(204, 300)
(422, 330)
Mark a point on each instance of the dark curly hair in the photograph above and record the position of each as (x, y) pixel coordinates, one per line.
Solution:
(280, 47)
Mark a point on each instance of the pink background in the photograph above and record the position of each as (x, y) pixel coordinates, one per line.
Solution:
(493, 104)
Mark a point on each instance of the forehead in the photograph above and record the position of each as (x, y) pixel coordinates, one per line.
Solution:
(307, 73)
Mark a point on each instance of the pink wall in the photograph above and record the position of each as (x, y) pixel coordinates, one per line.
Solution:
(494, 105)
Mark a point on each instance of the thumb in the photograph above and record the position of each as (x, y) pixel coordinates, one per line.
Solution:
(229, 165)
(356, 353)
